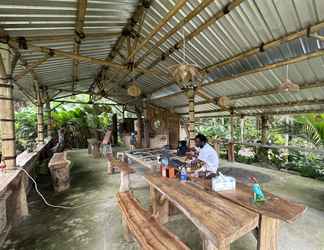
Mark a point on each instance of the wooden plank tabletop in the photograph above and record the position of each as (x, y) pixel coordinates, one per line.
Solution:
(274, 206)
(219, 219)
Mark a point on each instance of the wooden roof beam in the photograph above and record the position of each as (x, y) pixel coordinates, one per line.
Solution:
(30, 67)
(171, 13)
(179, 25)
(266, 67)
(304, 111)
(251, 52)
(78, 37)
(233, 4)
(61, 38)
(256, 93)
(65, 54)
(265, 106)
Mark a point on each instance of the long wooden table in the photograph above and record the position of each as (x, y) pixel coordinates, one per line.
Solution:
(222, 217)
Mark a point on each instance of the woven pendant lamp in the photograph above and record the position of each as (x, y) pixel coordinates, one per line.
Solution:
(186, 75)
(134, 90)
(224, 102)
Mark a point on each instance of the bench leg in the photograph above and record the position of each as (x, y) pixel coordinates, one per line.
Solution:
(124, 182)
(159, 206)
(126, 231)
(268, 233)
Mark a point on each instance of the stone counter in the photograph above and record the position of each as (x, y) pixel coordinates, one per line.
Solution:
(15, 186)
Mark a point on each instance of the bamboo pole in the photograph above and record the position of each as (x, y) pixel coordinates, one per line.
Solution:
(61, 38)
(223, 12)
(272, 44)
(40, 117)
(79, 35)
(272, 66)
(171, 13)
(65, 54)
(267, 106)
(190, 93)
(31, 67)
(7, 115)
(50, 131)
(252, 94)
(146, 143)
(179, 25)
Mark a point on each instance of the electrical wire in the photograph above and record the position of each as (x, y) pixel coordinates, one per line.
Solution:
(57, 206)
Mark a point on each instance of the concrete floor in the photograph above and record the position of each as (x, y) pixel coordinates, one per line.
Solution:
(97, 226)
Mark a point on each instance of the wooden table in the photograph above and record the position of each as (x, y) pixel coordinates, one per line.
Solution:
(223, 217)
(219, 221)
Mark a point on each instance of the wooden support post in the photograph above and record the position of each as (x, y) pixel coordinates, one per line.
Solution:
(242, 121)
(7, 115)
(49, 119)
(40, 119)
(146, 143)
(190, 93)
(263, 152)
(114, 140)
(268, 233)
(231, 150)
(139, 130)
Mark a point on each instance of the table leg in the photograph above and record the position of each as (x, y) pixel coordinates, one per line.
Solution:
(124, 182)
(268, 233)
(159, 206)
(207, 244)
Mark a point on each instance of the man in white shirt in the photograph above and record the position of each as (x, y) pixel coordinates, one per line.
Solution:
(207, 154)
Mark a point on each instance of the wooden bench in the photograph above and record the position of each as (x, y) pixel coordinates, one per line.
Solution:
(125, 172)
(148, 232)
(59, 167)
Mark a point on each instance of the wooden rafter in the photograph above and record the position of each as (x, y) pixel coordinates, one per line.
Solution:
(304, 111)
(193, 34)
(61, 38)
(254, 51)
(255, 94)
(79, 35)
(266, 106)
(31, 67)
(266, 67)
(179, 25)
(171, 13)
(65, 54)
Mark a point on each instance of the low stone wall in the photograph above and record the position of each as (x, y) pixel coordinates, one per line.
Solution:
(15, 186)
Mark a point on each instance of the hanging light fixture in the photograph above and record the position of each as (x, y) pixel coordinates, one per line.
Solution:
(288, 85)
(134, 90)
(186, 75)
(224, 102)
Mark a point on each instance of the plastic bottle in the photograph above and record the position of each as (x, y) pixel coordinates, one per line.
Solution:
(165, 163)
(183, 175)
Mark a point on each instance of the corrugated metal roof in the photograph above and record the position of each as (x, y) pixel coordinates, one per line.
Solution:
(247, 26)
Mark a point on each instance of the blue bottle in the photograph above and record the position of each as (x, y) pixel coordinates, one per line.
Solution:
(183, 175)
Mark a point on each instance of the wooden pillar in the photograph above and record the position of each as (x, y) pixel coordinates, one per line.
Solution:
(139, 130)
(40, 119)
(146, 143)
(7, 114)
(191, 102)
(115, 130)
(231, 150)
(264, 129)
(242, 120)
(49, 119)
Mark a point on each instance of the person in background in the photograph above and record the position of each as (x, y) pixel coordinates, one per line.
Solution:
(132, 140)
(207, 155)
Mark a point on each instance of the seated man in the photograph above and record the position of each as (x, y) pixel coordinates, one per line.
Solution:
(208, 156)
